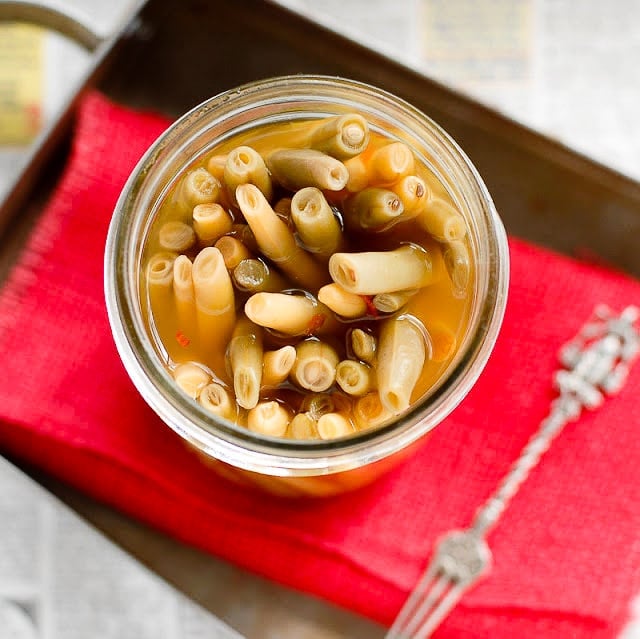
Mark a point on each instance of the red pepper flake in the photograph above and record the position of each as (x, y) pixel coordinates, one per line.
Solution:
(182, 339)
(371, 309)
(316, 322)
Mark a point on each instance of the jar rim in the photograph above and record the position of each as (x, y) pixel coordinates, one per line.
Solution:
(239, 446)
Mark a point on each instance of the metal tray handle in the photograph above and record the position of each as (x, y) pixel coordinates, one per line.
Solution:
(54, 16)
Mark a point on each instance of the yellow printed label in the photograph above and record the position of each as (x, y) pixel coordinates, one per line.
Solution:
(21, 82)
(472, 41)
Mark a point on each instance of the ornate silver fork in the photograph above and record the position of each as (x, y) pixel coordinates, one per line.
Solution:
(596, 363)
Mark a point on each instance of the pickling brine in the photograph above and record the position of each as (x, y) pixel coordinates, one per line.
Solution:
(308, 279)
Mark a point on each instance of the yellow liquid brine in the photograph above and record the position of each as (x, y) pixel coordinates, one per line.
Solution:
(410, 296)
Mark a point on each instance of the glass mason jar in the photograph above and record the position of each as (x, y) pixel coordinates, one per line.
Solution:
(287, 466)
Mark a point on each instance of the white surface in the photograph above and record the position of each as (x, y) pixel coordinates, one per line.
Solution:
(61, 579)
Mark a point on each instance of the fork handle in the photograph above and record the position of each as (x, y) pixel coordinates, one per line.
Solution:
(564, 409)
(595, 369)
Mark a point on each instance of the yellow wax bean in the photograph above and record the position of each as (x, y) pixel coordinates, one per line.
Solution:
(372, 208)
(191, 378)
(364, 346)
(233, 251)
(354, 378)
(176, 236)
(245, 357)
(315, 366)
(269, 418)
(358, 175)
(390, 162)
(385, 166)
(159, 282)
(255, 276)
(442, 221)
(216, 399)
(458, 264)
(184, 296)
(414, 194)
(160, 279)
(289, 314)
(215, 303)
(200, 187)
(401, 357)
(215, 166)
(341, 136)
(276, 365)
(342, 302)
(317, 404)
(369, 412)
(296, 168)
(315, 222)
(371, 273)
(302, 427)
(394, 301)
(333, 425)
(276, 241)
(245, 166)
(210, 222)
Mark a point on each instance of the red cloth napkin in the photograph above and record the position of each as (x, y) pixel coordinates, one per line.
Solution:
(567, 552)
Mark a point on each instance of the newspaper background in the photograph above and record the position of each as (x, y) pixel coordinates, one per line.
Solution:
(566, 69)
(61, 579)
